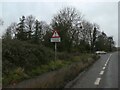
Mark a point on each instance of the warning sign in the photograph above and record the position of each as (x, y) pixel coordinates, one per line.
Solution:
(55, 37)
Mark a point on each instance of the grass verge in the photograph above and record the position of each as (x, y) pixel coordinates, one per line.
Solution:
(54, 74)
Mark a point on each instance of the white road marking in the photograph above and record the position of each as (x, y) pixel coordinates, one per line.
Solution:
(97, 81)
(103, 68)
(108, 60)
(102, 72)
(109, 57)
(105, 65)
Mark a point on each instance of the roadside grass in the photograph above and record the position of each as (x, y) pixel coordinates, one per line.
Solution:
(58, 64)
(19, 74)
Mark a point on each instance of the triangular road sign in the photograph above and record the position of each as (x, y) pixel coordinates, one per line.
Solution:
(55, 35)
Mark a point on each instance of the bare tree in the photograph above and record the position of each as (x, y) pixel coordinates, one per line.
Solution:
(13, 28)
(44, 28)
(8, 34)
(66, 22)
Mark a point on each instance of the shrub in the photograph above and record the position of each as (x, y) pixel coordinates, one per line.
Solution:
(17, 53)
(64, 56)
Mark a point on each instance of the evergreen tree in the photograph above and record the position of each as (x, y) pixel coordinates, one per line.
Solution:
(21, 32)
(30, 23)
(93, 40)
(37, 32)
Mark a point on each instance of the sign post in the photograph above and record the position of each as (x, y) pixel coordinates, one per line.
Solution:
(55, 38)
(55, 50)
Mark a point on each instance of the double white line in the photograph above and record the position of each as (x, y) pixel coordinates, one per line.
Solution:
(97, 82)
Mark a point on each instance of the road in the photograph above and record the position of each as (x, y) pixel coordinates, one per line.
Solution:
(102, 74)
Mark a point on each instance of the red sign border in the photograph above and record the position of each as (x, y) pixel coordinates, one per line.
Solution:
(55, 36)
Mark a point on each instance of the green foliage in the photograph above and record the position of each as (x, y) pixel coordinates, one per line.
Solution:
(37, 35)
(46, 41)
(22, 60)
(21, 35)
(53, 65)
(63, 23)
(27, 50)
(67, 22)
(59, 77)
(25, 55)
(105, 43)
(64, 55)
(14, 76)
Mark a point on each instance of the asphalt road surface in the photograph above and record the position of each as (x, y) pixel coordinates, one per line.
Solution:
(102, 74)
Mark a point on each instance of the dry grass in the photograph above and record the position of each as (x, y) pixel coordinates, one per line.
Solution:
(56, 79)
(64, 71)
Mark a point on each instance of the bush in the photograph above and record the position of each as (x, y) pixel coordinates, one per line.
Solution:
(64, 56)
(17, 53)
(22, 60)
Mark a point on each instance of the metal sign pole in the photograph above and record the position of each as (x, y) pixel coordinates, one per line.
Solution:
(55, 55)
(55, 38)
(55, 51)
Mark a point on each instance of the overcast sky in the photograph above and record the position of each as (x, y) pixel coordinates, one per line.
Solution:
(104, 14)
